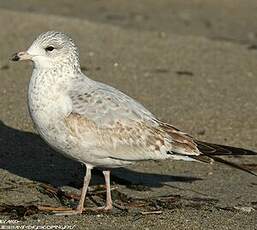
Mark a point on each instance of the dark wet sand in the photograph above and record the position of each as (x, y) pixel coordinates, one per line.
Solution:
(192, 64)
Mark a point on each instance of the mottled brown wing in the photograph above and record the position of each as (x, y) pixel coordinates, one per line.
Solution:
(129, 141)
(181, 142)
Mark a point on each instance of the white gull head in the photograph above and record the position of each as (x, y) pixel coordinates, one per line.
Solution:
(51, 50)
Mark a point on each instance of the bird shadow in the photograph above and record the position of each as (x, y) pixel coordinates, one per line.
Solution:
(26, 155)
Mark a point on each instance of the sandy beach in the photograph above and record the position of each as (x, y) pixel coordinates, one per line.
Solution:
(192, 64)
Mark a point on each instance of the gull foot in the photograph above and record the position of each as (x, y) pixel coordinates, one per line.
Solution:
(105, 208)
(69, 211)
(99, 209)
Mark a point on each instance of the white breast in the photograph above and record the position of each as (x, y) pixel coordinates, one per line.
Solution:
(49, 104)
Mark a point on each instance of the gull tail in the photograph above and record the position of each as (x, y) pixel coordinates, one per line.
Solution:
(185, 145)
(211, 152)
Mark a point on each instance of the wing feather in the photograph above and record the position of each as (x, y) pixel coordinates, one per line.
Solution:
(127, 131)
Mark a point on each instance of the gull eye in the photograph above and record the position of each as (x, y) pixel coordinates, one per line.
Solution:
(49, 48)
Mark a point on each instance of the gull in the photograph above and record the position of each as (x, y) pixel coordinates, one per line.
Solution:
(97, 124)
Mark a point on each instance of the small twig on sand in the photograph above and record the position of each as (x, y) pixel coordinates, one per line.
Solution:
(151, 212)
(49, 208)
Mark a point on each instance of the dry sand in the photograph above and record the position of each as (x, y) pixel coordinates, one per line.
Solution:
(192, 64)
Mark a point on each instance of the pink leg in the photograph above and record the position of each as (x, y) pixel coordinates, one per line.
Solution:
(87, 179)
(80, 206)
(108, 190)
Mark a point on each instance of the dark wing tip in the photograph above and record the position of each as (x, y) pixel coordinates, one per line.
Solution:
(223, 150)
(231, 164)
(212, 151)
